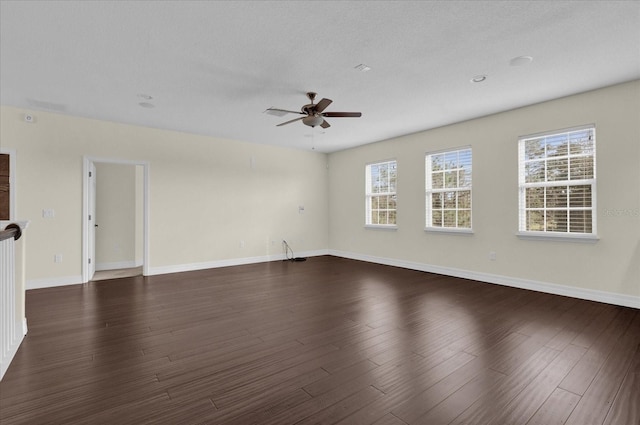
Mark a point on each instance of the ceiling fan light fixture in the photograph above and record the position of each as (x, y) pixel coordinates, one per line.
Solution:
(312, 120)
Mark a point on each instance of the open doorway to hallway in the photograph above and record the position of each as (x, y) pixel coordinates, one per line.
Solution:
(118, 220)
(115, 209)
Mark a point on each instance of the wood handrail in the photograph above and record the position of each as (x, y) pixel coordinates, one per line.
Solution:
(11, 231)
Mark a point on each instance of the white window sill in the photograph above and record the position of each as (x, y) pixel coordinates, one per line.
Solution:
(381, 226)
(449, 230)
(560, 237)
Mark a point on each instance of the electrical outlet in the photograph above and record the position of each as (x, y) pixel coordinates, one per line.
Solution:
(492, 255)
(48, 213)
(57, 258)
(301, 209)
(241, 244)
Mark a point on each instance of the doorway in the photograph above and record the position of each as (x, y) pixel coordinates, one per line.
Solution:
(115, 218)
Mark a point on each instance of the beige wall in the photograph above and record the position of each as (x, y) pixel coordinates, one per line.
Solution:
(208, 195)
(205, 196)
(116, 207)
(612, 264)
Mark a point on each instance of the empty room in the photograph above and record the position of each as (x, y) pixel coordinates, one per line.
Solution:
(319, 212)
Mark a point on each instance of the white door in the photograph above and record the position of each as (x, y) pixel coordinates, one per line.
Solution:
(92, 220)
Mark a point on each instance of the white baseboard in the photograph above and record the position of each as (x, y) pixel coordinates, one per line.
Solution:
(230, 262)
(118, 265)
(550, 288)
(53, 282)
(76, 280)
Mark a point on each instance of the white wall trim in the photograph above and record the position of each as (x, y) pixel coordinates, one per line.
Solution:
(178, 268)
(53, 282)
(118, 265)
(230, 262)
(550, 288)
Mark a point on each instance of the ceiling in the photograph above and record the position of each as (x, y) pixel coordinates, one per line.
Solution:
(213, 68)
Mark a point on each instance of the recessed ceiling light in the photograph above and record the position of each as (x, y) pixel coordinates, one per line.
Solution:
(147, 105)
(520, 61)
(363, 68)
(478, 78)
(145, 96)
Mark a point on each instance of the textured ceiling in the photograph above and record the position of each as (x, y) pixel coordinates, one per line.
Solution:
(213, 68)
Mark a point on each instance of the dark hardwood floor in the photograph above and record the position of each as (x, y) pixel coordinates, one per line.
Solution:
(324, 341)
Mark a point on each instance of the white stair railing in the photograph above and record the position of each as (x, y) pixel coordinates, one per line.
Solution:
(10, 326)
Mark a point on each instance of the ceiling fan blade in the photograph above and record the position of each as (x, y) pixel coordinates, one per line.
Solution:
(342, 114)
(281, 112)
(325, 124)
(322, 105)
(289, 122)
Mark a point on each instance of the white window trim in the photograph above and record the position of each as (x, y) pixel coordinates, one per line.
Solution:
(427, 192)
(381, 226)
(557, 236)
(368, 195)
(451, 230)
(560, 237)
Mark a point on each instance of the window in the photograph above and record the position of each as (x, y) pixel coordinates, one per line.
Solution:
(381, 193)
(448, 190)
(557, 180)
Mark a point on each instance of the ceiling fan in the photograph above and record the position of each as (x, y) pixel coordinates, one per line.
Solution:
(313, 113)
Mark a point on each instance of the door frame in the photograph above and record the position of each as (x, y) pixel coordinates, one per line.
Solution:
(91, 229)
(87, 162)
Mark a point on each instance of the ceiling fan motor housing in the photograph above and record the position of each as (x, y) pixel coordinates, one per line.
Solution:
(313, 118)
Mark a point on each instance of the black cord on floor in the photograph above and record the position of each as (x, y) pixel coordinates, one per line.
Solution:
(286, 253)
